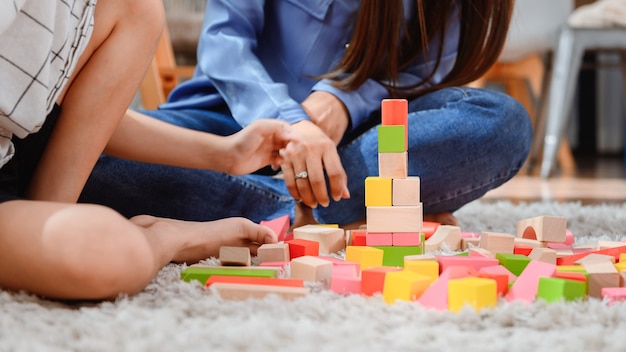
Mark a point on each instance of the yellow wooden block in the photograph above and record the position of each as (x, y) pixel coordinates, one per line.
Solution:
(429, 268)
(475, 292)
(378, 191)
(622, 258)
(621, 266)
(367, 257)
(404, 285)
(406, 191)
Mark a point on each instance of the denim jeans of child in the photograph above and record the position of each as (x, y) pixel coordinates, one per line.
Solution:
(463, 142)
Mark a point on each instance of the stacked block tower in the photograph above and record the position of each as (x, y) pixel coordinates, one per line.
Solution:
(392, 199)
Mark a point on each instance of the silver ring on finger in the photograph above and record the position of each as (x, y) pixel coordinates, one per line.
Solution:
(302, 175)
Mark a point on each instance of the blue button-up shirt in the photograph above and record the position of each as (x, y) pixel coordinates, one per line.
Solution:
(259, 57)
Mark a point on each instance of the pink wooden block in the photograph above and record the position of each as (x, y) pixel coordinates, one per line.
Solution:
(473, 262)
(558, 245)
(525, 287)
(281, 265)
(345, 285)
(378, 239)
(498, 269)
(470, 235)
(342, 267)
(614, 294)
(280, 226)
(569, 237)
(405, 239)
(436, 295)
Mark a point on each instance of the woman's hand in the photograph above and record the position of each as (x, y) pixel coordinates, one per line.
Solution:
(328, 113)
(304, 165)
(256, 146)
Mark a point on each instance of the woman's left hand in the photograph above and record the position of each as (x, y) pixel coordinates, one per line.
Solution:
(328, 113)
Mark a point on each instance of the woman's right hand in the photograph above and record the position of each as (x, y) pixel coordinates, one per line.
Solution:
(303, 168)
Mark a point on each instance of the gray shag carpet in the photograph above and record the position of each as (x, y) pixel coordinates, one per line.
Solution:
(171, 315)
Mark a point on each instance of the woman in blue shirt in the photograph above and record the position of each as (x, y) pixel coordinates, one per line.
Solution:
(324, 66)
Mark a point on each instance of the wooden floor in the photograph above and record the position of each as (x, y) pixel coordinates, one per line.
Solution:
(596, 179)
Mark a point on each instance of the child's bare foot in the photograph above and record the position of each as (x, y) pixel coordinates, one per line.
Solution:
(444, 218)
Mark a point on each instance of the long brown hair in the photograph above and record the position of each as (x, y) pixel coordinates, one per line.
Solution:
(384, 43)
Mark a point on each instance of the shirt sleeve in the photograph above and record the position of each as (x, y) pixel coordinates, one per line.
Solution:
(8, 12)
(226, 55)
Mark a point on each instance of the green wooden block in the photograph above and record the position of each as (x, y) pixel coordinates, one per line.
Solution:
(391, 139)
(552, 289)
(394, 255)
(202, 274)
(516, 263)
(462, 254)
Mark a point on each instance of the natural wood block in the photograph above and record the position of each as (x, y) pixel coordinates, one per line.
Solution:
(406, 191)
(622, 278)
(601, 274)
(609, 244)
(378, 191)
(240, 292)
(477, 293)
(594, 257)
(394, 219)
(404, 285)
(429, 268)
(280, 226)
(467, 243)
(497, 242)
(393, 165)
(543, 228)
(379, 239)
(254, 281)
(330, 239)
(367, 257)
(394, 256)
(527, 242)
(553, 289)
(235, 256)
(447, 235)
(312, 269)
(526, 285)
(395, 112)
(571, 259)
(391, 139)
(203, 273)
(406, 239)
(546, 255)
(299, 247)
(273, 252)
(373, 279)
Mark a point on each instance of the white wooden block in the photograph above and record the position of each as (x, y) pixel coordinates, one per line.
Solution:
(546, 255)
(235, 256)
(273, 252)
(445, 234)
(331, 239)
(240, 292)
(312, 269)
(394, 219)
(393, 165)
(496, 242)
(543, 228)
(406, 191)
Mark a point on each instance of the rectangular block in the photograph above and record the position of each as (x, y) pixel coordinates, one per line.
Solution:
(273, 252)
(367, 257)
(202, 274)
(391, 139)
(330, 239)
(312, 269)
(497, 242)
(477, 293)
(378, 239)
(404, 286)
(543, 228)
(394, 219)
(394, 256)
(358, 238)
(373, 279)
(406, 239)
(406, 191)
(235, 256)
(378, 191)
(240, 292)
(393, 165)
(254, 281)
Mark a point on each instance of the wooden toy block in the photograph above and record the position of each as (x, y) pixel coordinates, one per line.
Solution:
(240, 292)
(373, 279)
(447, 235)
(480, 252)
(404, 285)
(601, 274)
(620, 266)
(405, 191)
(572, 275)
(393, 165)
(255, 281)
(428, 256)
(330, 239)
(394, 219)
(367, 257)
(299, 247)
(622, 258)
(594, 257)
(428, 268)
(312, 269)
(429, 228)
(546, 255)
(622, 278)
(502, 282)
(609, 244)
(543, 228)
(473, 262)
(527, 242)
(498, 270)
(523, 251)
(280, 267)
(571, 259)
(273, 252)
(391, 139)
(525, 287)
(497, 242)
(467, 243)
(378, 191)
(379, 239)
(202, 274)
(345, 285)
(394, 256)
(280, 226)
(342, 267)
(395, 112)
(406, 239)
(235, 256)
(614, 294)
(358, 238)
(515, 263)
(436, 296)
(553, 289)
(475, 292)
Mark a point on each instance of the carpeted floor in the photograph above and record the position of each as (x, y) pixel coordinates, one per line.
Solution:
(171, 315)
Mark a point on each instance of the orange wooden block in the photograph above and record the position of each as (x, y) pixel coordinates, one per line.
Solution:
(255, 281)
(429, 228)
(571, 259)
(523, 250)
(373, 279)
(502, 282)
(359, 238)
(571, 275)
(299, 248)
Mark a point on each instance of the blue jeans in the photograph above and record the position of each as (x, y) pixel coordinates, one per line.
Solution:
(463, 142)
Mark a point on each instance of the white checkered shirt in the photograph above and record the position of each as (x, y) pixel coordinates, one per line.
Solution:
(40, 43)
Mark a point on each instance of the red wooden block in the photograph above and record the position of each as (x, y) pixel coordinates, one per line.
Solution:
(571, 275)
(502, 281)
(299, 248)
(522, 250)
(359, 238)
(280, 226)
(255, 281)
(429, 227)
(571, 259)
(373, 279)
